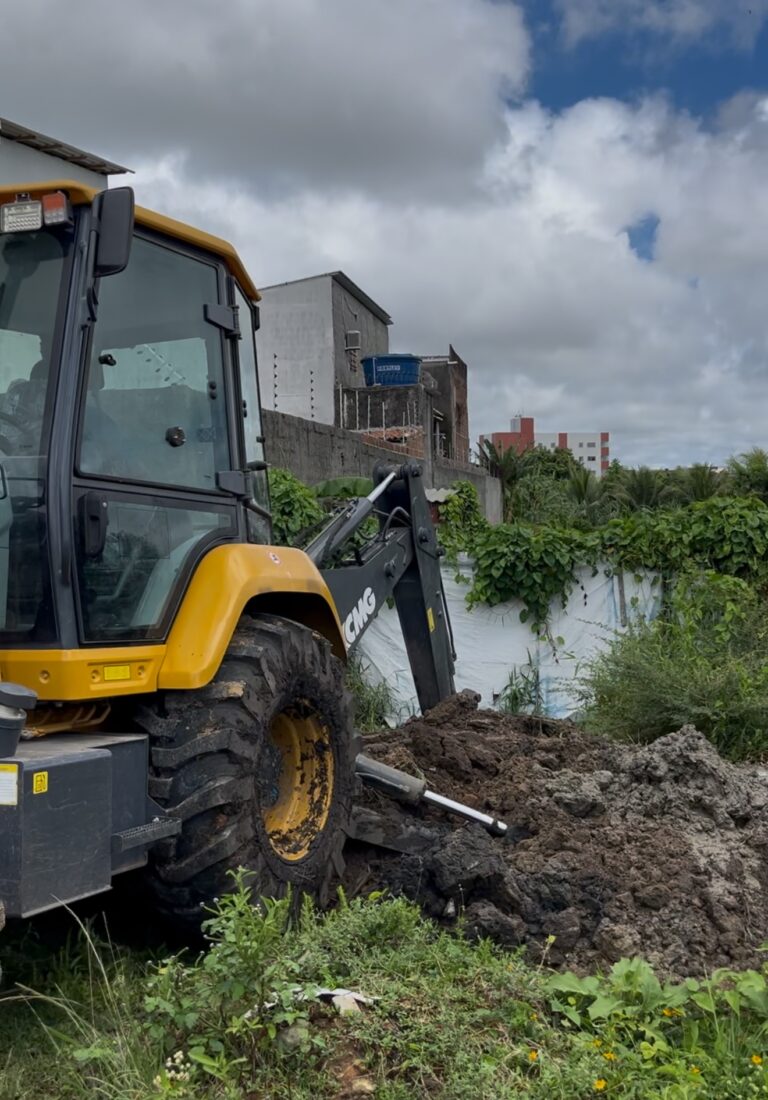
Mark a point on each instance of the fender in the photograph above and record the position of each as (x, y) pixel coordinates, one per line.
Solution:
(229, 581)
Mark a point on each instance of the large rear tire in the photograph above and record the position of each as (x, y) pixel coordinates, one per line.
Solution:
(259, 767)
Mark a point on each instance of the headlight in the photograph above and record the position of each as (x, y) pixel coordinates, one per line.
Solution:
(21, 216)
(27, 214)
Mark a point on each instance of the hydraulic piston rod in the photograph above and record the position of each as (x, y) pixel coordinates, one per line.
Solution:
(407, 788)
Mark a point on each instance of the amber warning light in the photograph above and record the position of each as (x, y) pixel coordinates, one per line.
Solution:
(26, 214)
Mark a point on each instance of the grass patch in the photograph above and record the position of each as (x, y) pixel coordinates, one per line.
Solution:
(375, 704)
(450, 1019)
(704, 663)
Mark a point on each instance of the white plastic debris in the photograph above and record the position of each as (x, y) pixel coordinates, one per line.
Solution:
(345, 1000)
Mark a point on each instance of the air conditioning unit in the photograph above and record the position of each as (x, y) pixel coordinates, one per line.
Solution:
(352, 340)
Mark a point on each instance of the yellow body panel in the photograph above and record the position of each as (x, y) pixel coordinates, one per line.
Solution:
(280, 580)
(226, 579)
(72, 674)
(80, 193)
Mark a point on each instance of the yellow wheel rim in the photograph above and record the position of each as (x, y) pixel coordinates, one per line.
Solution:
(302, 787)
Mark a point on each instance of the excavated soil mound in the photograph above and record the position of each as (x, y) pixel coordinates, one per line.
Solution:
(614, 850)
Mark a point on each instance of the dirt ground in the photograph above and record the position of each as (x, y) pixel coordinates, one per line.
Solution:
(614, 850)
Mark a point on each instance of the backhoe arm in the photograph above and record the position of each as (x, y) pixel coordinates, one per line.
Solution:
(401, 561)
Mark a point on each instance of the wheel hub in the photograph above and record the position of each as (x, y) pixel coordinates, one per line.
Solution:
(298, 792)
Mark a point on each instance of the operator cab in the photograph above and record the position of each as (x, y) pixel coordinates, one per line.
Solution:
(130, 435)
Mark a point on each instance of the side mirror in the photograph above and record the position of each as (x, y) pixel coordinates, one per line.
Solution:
(114, 210)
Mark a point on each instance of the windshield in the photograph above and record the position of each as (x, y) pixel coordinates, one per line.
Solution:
(31, 267)
(31, 278)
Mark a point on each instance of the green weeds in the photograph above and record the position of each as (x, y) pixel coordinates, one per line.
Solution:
(449, 1019)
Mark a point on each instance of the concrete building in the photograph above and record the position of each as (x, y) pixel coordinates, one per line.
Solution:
(29, 157)
(591, 449)
(313, 334)
(426, 419)
(450, 374)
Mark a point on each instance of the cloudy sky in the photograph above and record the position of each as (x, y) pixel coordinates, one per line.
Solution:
(572, 192)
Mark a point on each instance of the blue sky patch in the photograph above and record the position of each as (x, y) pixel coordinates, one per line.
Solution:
(697, 74)
(642, 237)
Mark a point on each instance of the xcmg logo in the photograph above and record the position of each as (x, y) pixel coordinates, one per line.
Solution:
(359, 615)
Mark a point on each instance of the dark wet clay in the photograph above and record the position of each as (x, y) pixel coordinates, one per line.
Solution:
(614, 850)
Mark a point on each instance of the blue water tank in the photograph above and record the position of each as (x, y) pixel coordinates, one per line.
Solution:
(391, 370)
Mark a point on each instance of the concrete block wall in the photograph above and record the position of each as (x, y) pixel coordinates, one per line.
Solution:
(314, 452)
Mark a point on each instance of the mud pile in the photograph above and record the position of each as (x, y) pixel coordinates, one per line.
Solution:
(613, 850)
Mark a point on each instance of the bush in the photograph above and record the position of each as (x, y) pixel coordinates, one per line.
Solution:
(295, 509)
(704, 663)
(462, 522)
(540, 500)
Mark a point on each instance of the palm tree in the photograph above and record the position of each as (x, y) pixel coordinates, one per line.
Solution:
(642, 490)
(583, 487)
(749, 473)
(593, 502)
(699, 482)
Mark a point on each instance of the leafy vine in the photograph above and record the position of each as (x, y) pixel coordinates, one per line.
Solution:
(727, 535)
(538, 564)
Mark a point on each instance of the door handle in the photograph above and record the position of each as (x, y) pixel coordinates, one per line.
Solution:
(95, 515)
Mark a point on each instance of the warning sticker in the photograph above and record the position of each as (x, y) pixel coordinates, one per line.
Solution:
(9, 784)
(431, 619)
(39, 782)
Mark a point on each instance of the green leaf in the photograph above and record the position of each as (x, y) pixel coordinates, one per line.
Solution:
(198, 1054)
(572, 983)
(603, 1006)
(704, 1000)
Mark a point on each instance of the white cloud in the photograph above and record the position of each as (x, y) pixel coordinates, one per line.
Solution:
(678, 20)
(534, 281)
(322, 134)
(394, 96)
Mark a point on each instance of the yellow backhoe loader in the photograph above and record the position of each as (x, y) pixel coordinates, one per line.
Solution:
(172, 687)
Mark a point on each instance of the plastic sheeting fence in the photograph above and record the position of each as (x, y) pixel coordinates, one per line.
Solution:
(491, 641)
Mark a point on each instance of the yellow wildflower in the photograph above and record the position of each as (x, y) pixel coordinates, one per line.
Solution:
(597, 1042)
(600, 1084)
(757, 1060)
(609, 1056)
(533, 1056)
(695, 1069)
(534, 1015)
(667, 1012)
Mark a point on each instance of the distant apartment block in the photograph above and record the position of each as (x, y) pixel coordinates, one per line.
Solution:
(591, 449)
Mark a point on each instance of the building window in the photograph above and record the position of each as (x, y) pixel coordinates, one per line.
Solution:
(591, 458)
(591, 444)
(581, 444)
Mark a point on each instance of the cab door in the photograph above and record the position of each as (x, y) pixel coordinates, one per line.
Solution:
(155, 442)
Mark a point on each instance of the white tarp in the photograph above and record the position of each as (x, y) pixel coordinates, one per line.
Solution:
(491, 641)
